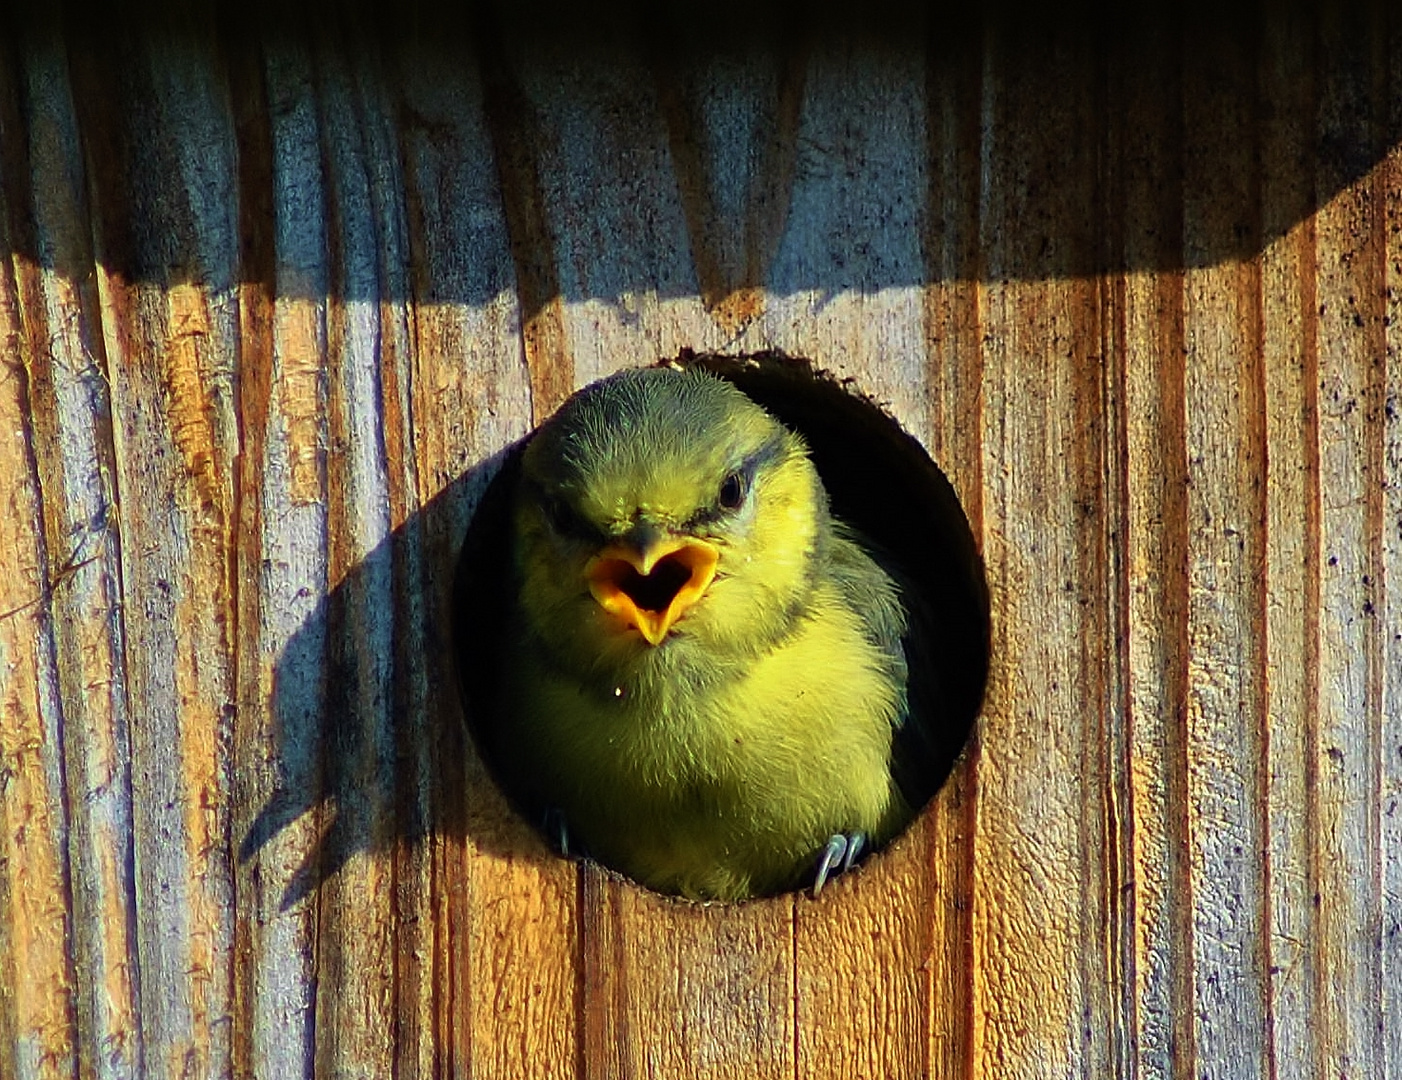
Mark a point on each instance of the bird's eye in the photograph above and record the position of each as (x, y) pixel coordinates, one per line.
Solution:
(563, 518)
(732, 492)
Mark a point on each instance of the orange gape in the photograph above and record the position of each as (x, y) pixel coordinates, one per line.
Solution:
(650, 589)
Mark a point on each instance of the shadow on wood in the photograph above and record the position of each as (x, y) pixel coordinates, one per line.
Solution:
(348, 726)
(345, 725)
(1093, 99)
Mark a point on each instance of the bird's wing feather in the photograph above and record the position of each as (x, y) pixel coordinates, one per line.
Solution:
(869, 590)
(898, 623)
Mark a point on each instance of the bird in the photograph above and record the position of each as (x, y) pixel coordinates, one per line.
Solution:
(703, 670)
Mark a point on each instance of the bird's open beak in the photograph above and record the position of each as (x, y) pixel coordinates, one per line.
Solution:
(651, 587)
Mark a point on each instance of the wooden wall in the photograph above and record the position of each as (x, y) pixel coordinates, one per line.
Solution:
(278, 290)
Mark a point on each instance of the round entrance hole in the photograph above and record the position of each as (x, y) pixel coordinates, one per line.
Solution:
(878, 480)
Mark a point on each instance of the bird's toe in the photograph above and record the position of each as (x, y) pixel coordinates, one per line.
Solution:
(837, 857)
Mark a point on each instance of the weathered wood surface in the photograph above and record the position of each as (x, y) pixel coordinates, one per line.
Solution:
(273, 300)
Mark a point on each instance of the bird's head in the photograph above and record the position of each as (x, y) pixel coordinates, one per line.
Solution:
(664, 510)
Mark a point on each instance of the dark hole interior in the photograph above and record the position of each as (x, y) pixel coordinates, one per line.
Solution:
(882, 481)
(879, 479)
(654, 591)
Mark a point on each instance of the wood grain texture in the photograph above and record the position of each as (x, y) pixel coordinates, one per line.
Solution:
(277, 296)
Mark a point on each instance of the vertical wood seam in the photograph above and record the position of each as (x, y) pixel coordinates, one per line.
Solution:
(47, 584)
(973, 750)
(1258, 432)
(1178, 788)
(252, 394)
(1125, 901)
(1319, 988)
(1110, 579)
(1374, 510)
(1120, 887)
(90, 321)
(1313, 544)
(793, 990)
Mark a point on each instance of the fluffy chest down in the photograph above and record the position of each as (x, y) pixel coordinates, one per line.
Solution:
(719, 785)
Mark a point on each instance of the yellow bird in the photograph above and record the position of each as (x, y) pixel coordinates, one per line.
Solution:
(703, 669)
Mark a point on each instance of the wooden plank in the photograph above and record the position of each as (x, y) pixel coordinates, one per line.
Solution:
(731, 115)
(1292, 538)
(1388, 628)
(840, 287)
(83, 694)
(1388, 221)
(523, 183)
(1224, 440)
(418, 670)
(39, 1002)
(1040, 923)
(282, 645)
(1146, 75)
(668, 988)
(358, 920)
(171, 350)
(1345, 757)
(953, 426)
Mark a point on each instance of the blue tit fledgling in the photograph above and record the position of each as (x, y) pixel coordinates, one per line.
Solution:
(703, 670)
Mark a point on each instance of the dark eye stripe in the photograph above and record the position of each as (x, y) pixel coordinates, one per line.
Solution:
(563, 518)
(744, 477)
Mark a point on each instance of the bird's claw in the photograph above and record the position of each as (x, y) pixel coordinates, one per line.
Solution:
(842, 850)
